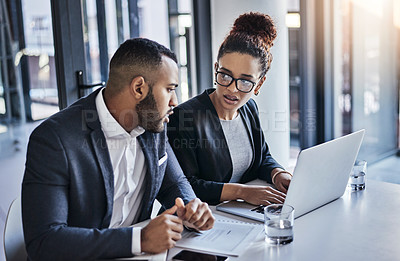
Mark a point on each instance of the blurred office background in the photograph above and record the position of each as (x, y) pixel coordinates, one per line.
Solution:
(336, 68)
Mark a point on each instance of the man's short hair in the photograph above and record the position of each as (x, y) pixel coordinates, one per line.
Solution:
(136, 57)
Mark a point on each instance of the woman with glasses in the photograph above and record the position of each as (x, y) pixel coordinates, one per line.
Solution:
(217, 135)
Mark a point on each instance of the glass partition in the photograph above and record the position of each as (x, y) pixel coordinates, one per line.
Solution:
(366, 73)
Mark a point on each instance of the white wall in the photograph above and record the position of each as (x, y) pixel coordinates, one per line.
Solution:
(273, 101)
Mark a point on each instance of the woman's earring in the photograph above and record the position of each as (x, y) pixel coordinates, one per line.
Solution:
(215, 83)
(256, 93)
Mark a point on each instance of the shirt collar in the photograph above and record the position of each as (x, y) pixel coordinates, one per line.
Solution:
(110, 127)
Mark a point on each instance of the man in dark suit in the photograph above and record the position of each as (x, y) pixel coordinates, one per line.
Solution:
(95, 168)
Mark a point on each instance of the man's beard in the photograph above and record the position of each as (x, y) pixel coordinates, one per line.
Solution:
(148, 114)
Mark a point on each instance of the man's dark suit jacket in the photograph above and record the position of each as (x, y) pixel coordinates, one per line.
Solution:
(197, 138)
(68, 187)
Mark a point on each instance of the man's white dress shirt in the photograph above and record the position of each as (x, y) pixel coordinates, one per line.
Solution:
(129, 168)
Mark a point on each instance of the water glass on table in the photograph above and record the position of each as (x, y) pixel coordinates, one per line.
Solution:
(278, 224)
(357, 175)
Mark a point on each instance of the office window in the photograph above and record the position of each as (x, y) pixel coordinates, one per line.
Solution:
(91, 40)
(153, 17)
(293, 24)
(106, 25)
(180, 24)
(40, 51)
(366, 73)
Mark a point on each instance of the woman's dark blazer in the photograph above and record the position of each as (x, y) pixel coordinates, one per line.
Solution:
(196, 136)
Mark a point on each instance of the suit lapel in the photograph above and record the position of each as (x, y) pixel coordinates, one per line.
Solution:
(101, 152)
(103, 158)
(149, 148)
(217, 134)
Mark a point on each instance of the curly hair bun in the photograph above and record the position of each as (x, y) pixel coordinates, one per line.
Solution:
(257, 25)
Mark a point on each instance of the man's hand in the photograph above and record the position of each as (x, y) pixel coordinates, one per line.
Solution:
(196, 214)
(162, 232)
(261, 195)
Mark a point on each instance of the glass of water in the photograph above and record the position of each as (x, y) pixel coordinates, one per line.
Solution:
(357, 175)
(278, 224)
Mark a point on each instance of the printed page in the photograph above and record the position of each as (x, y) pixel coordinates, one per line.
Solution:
(228, 238)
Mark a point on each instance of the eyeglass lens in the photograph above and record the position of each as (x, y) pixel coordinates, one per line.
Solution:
(241, 84)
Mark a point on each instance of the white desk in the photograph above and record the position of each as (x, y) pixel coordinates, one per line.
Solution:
(363, 225)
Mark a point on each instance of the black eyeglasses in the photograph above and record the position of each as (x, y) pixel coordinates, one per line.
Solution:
(242, 85)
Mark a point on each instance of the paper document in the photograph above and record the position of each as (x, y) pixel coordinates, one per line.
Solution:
(229, 238)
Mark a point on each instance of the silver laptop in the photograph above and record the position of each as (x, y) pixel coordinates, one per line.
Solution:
(320, 176)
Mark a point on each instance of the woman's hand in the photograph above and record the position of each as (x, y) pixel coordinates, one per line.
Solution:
(261, 195)
(282, 181)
